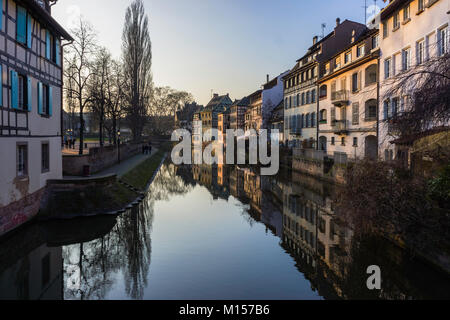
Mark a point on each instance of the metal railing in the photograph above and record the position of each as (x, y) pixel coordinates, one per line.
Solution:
(341, 95)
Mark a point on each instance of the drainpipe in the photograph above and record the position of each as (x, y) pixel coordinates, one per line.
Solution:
(378, 108)
(62, 90)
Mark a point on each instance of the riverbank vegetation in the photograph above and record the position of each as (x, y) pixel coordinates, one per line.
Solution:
(139, 176)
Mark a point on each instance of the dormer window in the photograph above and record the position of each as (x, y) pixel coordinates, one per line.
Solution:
(348, 57)
(360, 51)
(337, 62)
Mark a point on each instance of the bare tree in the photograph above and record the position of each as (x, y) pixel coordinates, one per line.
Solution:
(115, 97)
(137, 59)
(77, 57)
(423, 93)
(98, 88)
(164, 104)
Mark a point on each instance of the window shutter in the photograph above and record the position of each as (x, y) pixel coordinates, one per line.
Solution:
(57, 52)
(14, 90)
(50, 101)
(40, 98)
(29, 31)
(21, 24)
(47, 45)
(355, 114)
(29, 95)
(333, 114)
(359, 80)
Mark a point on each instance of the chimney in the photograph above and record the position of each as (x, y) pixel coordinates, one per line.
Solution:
(315, 39)
(338, 22)
(267, 78)
(216, 95)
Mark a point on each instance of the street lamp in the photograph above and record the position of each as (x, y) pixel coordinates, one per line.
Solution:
(118, 145)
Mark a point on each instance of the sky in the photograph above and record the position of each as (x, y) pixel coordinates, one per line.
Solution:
(220, 46)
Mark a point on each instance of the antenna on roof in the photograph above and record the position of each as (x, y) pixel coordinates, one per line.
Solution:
(365, 11)
(323, 26)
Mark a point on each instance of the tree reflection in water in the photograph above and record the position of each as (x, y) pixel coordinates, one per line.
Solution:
(91, 269)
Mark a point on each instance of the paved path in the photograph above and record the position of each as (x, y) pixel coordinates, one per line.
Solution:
(121, 168)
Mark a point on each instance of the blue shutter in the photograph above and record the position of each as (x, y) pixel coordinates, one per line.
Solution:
(29, 95)
(40, 97)
(14, 90)
(29, 30)
(57, 52)
(50, 101)
(47, 44)
(21, 24)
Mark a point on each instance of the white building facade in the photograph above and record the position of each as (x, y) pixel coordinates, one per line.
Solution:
(349, 99)
(411, 32)
(30, 111)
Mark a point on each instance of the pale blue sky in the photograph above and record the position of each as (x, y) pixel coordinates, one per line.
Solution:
(225, 46)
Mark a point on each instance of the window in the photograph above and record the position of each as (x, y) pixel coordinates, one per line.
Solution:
(45, 100)
(22, 159)
(343, 141)
(298, 100)
(355, 113)
(443, 40)
(360, 51)
(395, 102)
(313, 120)
(406, 13)
(375, 41)
(386, 110)
(303, 98)
(371, 110)
(420, 51)
(308, 98)
(22, 92)
(323, 116)
(406, 57)
(286, 103)
(313, 96)
(333, 114)
(396, 21)
(355, 142)
(327, 68)
(348, 57)
(387, 68)
(355, 82)
(21, 25)
(371, 74)
(323, 91)
(385, 29)
(338, 62)
(333, 141)
(45, 155)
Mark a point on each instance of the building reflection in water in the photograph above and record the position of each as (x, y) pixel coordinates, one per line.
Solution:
(29, 268)
(109, 257)
(324, 247)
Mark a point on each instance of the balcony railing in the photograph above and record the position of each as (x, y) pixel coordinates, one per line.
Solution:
(340, 98)
(340, 126)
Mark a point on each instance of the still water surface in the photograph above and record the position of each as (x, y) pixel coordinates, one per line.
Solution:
(211, 233)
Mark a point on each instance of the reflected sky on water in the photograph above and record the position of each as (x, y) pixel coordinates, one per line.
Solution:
(212, 232)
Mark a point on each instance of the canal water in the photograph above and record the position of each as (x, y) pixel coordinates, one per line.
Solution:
(212, 232)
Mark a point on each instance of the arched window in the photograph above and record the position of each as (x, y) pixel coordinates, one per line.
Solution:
(371, 110)
(323, 91)
(371, 74)
(323, 116)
